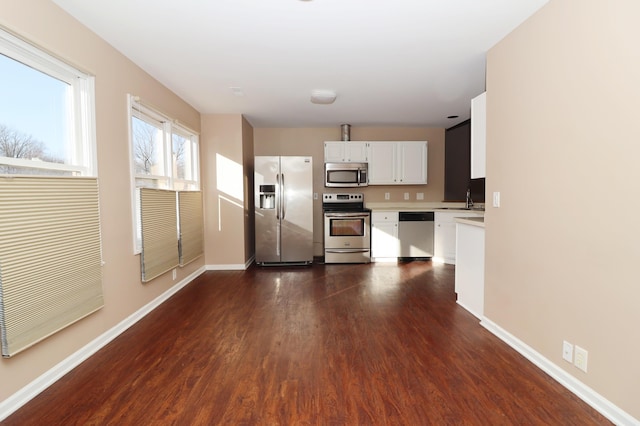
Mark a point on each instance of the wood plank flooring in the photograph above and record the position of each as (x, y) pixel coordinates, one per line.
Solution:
(378, 344)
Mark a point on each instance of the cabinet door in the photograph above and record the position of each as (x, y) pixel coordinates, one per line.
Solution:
(384, 240)
(444, 245)
(356, 152)
(412, 158)
(478, 135)
(444, 238)
(382, 163)
(334, 152)
(449, 242)
(345, 152)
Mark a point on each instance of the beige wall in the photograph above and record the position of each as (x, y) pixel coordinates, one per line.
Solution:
(562, 148)
(310, 141)
(44, 24)
(226, 145)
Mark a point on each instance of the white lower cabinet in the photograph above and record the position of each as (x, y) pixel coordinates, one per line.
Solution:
(384, 235)
(469, 281)
(444, 235)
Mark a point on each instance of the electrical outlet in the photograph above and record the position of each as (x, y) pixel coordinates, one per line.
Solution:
(406, 195)
(315, 195)
(567, 351)
(580, 360)
(386, 196)
(420, 196)
(174, 274)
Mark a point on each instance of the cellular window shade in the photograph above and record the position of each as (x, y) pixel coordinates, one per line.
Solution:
(191, 226)
(159, 225)
(50, 257)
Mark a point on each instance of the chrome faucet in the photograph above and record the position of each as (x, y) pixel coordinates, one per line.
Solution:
(469, 201)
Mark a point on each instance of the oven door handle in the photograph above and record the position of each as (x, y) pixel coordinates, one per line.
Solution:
(347, 250)
(346, 214)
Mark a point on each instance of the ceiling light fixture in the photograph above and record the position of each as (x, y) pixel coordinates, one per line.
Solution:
(323, 96)
(237, 90)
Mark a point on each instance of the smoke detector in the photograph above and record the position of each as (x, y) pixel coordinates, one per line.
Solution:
(323, 96)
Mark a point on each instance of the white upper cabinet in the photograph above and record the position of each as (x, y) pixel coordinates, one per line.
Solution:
(345, 152)
(382, 163)
(412, 162)
(397, 163)
(478, 135)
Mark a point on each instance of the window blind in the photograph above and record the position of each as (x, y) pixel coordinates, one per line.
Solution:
(159, 225)
(191, 226)
(50, 257)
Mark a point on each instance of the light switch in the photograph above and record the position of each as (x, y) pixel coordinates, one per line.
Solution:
(496, 199)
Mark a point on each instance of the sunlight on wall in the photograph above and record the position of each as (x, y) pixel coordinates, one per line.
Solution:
(229, 177)
(223, 204)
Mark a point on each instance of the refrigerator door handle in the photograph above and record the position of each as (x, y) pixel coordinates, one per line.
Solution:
(284, 198)
(278, 195)
(278, 207)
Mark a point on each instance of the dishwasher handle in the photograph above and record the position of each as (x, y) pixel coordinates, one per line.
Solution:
(415, 216)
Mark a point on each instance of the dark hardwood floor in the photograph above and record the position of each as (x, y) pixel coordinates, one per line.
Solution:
(379, 344)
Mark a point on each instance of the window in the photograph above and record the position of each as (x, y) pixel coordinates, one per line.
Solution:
(50, 247)
(164, 155)
(46, 113)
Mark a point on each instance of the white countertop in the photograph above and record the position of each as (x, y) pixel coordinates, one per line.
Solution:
(426, 206)
(473, 221)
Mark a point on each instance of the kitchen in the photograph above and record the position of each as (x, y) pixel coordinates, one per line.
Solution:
(386, 240)
(533, 165)
(288, 142)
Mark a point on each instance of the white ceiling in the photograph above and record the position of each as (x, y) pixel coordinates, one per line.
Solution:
(391, 62)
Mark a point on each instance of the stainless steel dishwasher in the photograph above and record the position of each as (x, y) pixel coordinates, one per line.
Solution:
(415, 232)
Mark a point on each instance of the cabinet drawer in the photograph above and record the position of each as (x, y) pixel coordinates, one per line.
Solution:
(384, 216)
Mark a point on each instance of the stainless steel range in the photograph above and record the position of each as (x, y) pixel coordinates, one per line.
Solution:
(347, 228)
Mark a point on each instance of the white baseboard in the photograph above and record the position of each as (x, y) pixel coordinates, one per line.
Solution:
(231, 266)
(30, 391)
(588, 395)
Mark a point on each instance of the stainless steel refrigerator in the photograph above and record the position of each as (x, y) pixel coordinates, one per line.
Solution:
(283, 210)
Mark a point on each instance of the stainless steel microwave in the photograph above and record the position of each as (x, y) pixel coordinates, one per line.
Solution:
(345, 175)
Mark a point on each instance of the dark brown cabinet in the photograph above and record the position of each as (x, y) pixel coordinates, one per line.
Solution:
(457, 165)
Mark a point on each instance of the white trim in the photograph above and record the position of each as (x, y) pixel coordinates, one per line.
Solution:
(30, 391)
(45, 165)
(36, 57)
(80, 152)
(582, 391)
(135, 214)
(385, 259)
(141, 110)
(231, 266)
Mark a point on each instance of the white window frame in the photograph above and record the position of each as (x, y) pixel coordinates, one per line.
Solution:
(81, 151)
(137, 108)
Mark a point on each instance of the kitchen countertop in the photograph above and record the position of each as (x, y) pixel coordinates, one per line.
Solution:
(473, 221)
(413, 206)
